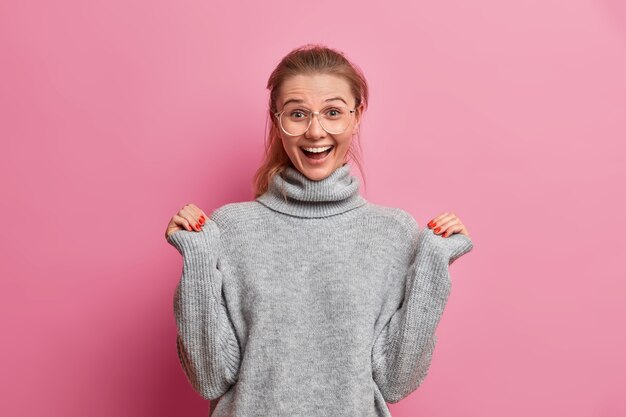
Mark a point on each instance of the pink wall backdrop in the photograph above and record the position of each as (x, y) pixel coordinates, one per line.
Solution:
(115, 114)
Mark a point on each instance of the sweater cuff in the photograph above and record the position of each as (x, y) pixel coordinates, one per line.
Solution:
(451, 247)
(190, 242)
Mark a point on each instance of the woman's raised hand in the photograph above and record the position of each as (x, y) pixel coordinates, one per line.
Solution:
(190, 217)
(447, 224)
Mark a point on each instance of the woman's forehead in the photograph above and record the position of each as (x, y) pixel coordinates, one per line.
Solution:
(318, 89)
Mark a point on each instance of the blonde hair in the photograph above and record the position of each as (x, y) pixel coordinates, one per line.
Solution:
(308, 59)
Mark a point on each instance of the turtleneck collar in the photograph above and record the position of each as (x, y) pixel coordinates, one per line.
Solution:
(335, 194)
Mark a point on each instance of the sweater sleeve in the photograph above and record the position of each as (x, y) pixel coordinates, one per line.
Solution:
(207, 346)
(402, 351)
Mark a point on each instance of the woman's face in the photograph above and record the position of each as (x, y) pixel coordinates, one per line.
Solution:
(316, 93)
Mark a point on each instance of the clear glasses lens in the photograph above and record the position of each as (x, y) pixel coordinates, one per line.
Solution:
(296, 120)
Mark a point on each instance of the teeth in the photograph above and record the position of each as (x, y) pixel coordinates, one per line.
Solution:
(318, 150)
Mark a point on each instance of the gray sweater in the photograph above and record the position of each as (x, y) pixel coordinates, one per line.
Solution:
(310, 303)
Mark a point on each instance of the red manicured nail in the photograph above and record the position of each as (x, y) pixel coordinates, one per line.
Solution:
(201, 220)
(437, 230)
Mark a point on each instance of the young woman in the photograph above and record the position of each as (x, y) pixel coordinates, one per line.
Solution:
(309, 300)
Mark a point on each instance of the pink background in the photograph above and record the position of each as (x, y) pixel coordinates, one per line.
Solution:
(115, 114)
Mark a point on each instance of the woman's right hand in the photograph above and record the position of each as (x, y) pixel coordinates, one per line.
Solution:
(190, 217)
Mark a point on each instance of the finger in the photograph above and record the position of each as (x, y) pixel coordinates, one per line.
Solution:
(464, 231)
(197, 215)
(182, 222)
(455, 228)
(188, 213)
(201, 216)
(440, 219)
(446, 224)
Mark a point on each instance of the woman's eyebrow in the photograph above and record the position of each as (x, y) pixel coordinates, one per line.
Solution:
(298, 100)
(336, 98)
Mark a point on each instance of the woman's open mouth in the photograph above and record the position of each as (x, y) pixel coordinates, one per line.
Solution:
(317, 154)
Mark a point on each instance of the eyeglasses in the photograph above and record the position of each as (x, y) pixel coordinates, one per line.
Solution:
(295, 121)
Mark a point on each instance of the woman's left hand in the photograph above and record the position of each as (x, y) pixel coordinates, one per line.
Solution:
(447, 224)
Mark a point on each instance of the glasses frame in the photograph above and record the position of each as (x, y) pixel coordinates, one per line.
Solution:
(311, 114)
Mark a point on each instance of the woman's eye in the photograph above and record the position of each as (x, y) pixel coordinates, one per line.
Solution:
(297, 114)
(334, 112)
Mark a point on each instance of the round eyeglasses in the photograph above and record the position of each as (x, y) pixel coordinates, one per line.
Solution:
(295, 121)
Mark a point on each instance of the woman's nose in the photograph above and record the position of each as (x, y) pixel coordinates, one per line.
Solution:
(315, 130)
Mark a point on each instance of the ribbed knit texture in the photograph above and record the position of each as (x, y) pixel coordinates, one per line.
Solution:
(310, 303)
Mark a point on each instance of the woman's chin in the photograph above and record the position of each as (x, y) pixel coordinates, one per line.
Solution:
(318, 172)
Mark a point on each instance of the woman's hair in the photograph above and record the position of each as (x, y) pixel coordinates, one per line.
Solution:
(309, 59)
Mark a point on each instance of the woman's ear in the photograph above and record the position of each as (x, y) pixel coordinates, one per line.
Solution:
(274, 121)
(358, 116)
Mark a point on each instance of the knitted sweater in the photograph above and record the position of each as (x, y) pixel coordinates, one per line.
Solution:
(317, 304)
